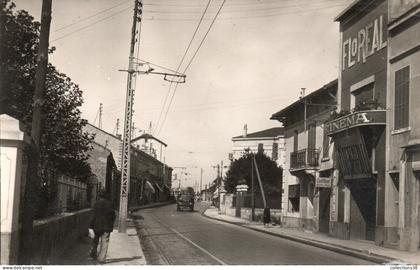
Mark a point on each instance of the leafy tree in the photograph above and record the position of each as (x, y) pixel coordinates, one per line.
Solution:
(240, 169)
(64, 145)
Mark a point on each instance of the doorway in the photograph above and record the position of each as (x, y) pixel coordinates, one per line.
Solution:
(363, 210)
(324, 209)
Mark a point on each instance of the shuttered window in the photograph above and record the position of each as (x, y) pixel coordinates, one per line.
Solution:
(402, 97)
(325, 145)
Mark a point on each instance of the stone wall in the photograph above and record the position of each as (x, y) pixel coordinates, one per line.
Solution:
(54, 235)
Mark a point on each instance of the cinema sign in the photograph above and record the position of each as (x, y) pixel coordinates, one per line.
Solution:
(361, 118)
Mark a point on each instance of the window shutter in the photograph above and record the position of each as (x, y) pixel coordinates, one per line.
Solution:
(402, 98)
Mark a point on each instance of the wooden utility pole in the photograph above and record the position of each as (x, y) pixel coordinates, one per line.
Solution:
(260, 182)
(32, 175)
(252, 192)
(201, 179)
(125, 161)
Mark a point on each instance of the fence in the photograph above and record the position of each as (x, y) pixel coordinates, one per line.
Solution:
(304, 158)
(71, 195)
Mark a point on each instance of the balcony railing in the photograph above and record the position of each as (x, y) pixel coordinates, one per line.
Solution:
(304, 158)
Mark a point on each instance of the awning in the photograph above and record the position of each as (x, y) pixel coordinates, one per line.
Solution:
(150, 187)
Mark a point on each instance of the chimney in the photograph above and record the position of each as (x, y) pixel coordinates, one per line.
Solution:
(245, 131)
(302, 93)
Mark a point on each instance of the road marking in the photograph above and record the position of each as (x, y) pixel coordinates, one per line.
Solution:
(189, 241)
(197, 246)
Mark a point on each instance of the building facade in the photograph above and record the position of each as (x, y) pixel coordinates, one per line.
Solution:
(358, 132)
(308, 166)
(402, 211)
(150, 179)
(269, 141)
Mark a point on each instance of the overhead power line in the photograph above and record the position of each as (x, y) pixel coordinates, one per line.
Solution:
(91, 16)
(174, 19)
(189, 63)
(252, 9)
(182, 60)
(246, 17)
(92, 24)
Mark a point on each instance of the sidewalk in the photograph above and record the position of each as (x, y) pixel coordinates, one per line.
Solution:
(360, 249)
(123, 249)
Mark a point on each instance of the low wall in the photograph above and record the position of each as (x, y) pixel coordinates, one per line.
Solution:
(298, 222)
(246, 214)
(55, 235)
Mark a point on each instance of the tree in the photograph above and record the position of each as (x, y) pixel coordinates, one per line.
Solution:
(64, 146)
(240, 169)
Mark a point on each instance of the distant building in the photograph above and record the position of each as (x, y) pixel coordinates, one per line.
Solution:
(269, 141)
(150, 179)
(307, 173)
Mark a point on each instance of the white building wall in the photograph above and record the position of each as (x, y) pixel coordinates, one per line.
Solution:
(240, 145)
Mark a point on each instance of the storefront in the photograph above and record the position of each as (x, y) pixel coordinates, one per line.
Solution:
(357, 137)
(358, 130)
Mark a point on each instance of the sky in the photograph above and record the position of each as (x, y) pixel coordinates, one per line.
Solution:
(254, 61)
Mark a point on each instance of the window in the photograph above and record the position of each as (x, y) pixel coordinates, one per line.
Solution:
(402, 97)
(295, 141)
(325, 145)
(274, 155)
(312, 137)
(294, 197)
(363, 94)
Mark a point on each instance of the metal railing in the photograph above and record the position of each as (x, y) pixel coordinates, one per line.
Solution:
(304, 158)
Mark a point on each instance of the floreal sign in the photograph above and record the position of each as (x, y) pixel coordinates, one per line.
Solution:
(368, 41)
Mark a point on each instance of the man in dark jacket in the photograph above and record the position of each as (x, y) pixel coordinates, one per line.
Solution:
(102, 224)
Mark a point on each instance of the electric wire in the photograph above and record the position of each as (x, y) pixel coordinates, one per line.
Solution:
(182, 60)
(242, 10)
(160, 66)
(184, 19)
(92, 24)
(91, 16)
(192, 58)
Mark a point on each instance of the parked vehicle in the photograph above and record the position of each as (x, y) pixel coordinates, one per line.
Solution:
(185, 199)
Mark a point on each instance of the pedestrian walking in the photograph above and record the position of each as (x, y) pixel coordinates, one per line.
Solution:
(102, 224)
(266, 217)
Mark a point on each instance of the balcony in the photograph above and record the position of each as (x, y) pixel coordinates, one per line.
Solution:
(304, 159)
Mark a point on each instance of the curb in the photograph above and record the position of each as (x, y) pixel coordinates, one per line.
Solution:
(346, 251)
(135, 208)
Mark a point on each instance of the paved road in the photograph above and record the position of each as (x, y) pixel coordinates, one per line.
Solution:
(185, 238)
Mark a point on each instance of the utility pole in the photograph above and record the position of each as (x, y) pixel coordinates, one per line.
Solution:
(117, 126)
(100, 115)
(253, 192)
(32, 175)
(125, 163)
(201, 179)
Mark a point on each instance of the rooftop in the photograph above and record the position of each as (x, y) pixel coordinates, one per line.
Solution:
(355, 7)
(148, 136)
(323, 89)
(267, 133)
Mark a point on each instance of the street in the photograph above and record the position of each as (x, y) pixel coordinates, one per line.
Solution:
(185, 238)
